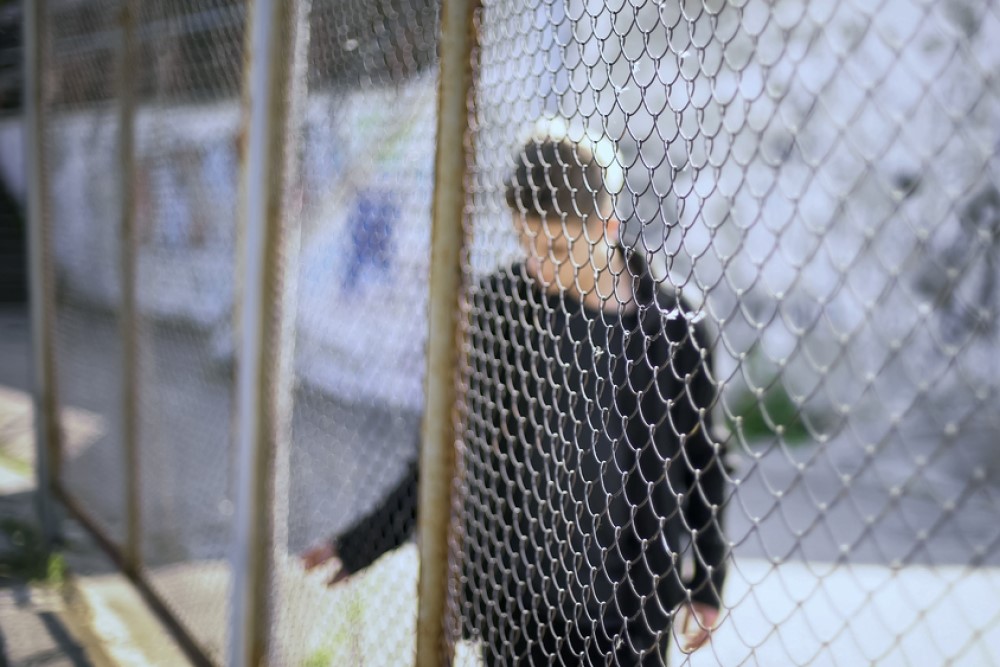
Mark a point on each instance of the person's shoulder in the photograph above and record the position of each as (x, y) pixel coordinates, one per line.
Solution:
(659, 292)
(504, 282)
(500, 296)
(674, 306)
(649, 289)
(683, 323)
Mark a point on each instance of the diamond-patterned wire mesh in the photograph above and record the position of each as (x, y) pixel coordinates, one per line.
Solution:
(187, 173)
(81, 139)
(367, 170)
(812, 188)
(185, 192)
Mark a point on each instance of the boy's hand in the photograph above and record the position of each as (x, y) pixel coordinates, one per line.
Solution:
(700, 620)
(315, 556)
(320, 555)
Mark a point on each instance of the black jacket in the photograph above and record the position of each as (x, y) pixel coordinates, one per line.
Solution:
(588, 473)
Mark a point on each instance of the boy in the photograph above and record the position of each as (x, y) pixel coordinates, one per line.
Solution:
(588, 473)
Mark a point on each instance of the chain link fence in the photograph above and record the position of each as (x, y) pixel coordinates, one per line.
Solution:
(367, 167)
(812, 189)
(728, 326)
(186, 180)
(82, 137)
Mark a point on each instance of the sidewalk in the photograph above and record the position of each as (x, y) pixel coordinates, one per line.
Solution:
(75, 609)
(33, 626)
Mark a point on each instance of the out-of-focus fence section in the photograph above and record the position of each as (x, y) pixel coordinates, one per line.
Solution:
(362, 196)
(185, 179)
(81, 135)
(367, 166)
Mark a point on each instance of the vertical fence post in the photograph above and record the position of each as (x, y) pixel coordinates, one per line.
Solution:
(267, 309)
(128, 57)
(40, 272)
(437, 455)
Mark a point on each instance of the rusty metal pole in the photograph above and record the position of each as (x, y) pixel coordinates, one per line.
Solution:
(40, 272)
(128, 324)
(264, 376)
(437, 455)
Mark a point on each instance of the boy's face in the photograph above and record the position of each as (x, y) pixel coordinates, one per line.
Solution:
(549, 239)
(551, 243)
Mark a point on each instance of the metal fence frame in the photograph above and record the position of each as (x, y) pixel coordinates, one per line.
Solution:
(40, 271)
(47, 406)
(264, 377)
(277, 37)
(437, 456)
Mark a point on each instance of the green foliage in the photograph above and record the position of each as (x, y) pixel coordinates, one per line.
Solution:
(25, 557)
(760, 418)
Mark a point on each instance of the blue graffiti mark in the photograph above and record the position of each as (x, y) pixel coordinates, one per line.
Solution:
(371, 225)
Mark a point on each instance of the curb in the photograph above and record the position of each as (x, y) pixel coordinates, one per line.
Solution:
(115, 625)
(104, 611)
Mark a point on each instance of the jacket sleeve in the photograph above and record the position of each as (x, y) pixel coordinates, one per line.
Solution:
(484, 470)
(702, 459)
(393, 521)
(386, 527)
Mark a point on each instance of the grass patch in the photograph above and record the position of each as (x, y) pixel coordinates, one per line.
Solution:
(16, 465)
(320, 658)
(370, 618)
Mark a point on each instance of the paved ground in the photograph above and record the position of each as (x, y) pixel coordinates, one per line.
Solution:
(77, 609)
(33, 632)
(186, 460)
(33, 626)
